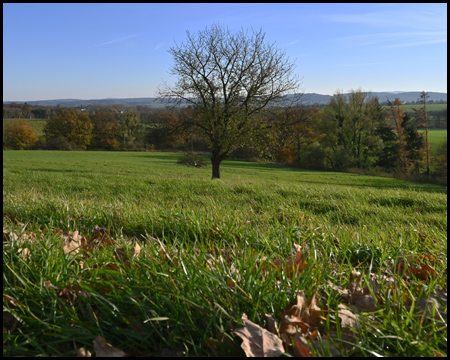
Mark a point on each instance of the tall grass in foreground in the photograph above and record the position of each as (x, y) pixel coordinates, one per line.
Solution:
(171, 297)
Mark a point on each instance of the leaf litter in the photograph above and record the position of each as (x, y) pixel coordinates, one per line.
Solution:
(300, 328)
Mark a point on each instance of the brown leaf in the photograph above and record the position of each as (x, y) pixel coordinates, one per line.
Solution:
(419, 266)
(82, 352)
(103, 349)
(99, 230)
(271, 324)
(359, 297)
(304, 314)
(121, 254)
(301, 347)
(71, 246)
(9, 318)
(258, 342)
(348, 318)
(438, 300)
(49, 285)
(71, 292)
(295, 264)
(24, 252)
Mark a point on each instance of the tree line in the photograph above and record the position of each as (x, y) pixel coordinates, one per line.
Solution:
(351, 131)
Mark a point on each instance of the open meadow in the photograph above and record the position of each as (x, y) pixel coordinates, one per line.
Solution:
(158, 259)
(436, 137)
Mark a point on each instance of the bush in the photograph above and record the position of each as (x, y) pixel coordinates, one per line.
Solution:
(192, 160)
(60, 143)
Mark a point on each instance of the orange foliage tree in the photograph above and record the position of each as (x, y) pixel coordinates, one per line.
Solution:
(397, 114)
(19, 135)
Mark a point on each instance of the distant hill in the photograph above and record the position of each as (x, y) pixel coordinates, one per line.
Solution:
(309, 98)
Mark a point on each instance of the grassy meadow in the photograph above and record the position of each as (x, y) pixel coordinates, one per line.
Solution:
(179, 258)
(436, 137)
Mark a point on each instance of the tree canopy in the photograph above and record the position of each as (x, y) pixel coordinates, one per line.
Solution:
(73, 125)
(228, 79)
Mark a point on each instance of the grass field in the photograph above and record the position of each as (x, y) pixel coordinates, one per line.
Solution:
(430, 107)
(436, 137)
(184, 257)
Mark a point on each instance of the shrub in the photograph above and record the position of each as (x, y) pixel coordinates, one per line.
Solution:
(192, 160)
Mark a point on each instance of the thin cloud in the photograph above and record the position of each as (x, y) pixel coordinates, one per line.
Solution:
(117, 40)
(158, 46)
(293, 42)
(415, 43)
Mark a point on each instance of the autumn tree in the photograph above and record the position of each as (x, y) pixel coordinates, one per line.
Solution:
(396, 113)
(228, 79)
(105, 130)
(293, 140)
(166, 129)
(72, 125)
(389, 157)
(19, 135)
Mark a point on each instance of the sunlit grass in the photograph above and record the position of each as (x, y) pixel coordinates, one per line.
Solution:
(254, 211)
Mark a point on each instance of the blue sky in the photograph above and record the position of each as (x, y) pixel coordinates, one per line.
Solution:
(97, 51)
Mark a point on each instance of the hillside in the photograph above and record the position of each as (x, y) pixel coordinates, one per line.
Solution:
(309, 98)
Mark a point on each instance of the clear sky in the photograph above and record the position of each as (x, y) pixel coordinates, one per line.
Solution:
(97, 51)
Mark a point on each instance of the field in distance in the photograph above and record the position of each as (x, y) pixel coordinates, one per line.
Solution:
(180, 258)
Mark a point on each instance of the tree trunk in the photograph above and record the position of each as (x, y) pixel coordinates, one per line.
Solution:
(216, 159)
(215, 168)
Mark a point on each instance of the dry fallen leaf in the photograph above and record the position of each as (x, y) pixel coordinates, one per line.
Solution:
(359, 297)
(72, 292)
(438, 300)
(304, 315)
(271, 324)
(258, 342)
(419, 266)
(301, 347)
(103, 349)
(291, 266)
(348, 318)
(82, 352)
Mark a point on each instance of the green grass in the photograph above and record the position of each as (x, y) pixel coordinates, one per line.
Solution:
(436, 137)
(255, 210)
(430, 107)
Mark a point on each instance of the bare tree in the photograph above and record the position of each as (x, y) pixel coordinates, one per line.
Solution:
(228, 79)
